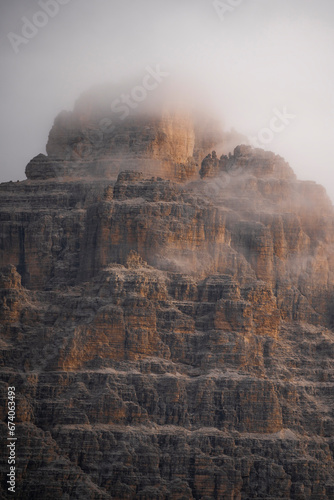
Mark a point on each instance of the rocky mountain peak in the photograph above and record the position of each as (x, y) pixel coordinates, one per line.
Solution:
(166, 314)
(103, 136)
(246, 159)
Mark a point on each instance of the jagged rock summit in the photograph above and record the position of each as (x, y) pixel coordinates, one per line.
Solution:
(166, 316)
(103, 136)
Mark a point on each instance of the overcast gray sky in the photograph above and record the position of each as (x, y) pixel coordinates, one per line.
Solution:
(257, 60)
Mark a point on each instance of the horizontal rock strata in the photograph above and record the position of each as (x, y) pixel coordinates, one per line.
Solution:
(167, 339)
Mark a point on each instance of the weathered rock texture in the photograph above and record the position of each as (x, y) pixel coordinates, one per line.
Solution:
(167, 340)
(99, 139)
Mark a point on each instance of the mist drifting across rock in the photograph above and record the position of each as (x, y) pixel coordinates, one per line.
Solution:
(166, 308)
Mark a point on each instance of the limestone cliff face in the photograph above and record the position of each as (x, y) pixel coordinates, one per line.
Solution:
(162, 146)
(167, 339)
(157, 139)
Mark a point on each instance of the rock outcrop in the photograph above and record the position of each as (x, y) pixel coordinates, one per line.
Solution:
(96, 140)
(167, 339)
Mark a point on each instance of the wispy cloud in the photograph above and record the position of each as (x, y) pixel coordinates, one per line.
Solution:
(263, 56)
